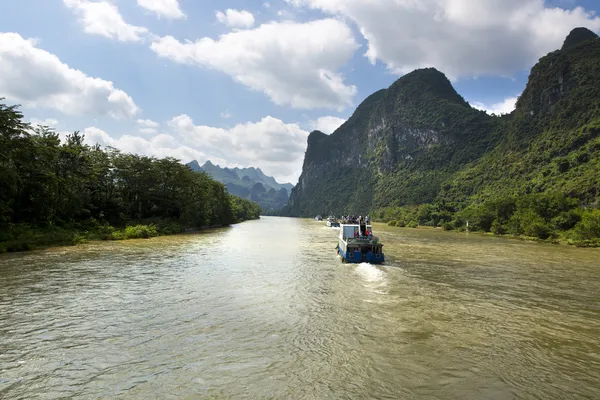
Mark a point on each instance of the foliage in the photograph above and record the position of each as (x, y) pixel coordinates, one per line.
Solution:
(249, 183)
(540, 216)
(425, 157)
(589, 226)
(63, 193)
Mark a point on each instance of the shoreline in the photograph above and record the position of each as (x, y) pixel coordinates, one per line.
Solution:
(28, 239)
(556, 241)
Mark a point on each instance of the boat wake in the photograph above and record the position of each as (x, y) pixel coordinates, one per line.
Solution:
(370, 272)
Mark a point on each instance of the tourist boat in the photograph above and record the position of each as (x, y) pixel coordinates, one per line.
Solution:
(356, 244)
(332, 222)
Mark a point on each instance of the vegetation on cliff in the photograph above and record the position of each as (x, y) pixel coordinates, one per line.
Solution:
(249, 183)
(63, 193)
(431, 159)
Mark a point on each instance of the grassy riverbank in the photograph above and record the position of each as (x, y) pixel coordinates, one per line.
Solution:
(564, 239)
(24, 237)
(547, 217)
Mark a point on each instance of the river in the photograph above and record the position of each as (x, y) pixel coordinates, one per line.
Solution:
(265, 309)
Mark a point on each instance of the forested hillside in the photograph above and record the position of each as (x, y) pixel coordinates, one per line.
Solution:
(53, 192)
(249, 183)
(418, 154)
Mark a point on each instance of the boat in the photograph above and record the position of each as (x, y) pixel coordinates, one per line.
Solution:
(356, 244)
(332, 222)
(318, 218)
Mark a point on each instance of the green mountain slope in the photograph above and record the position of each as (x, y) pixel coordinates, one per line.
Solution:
(417, 153)
(551, 142)
(249, 183)
(397, 148)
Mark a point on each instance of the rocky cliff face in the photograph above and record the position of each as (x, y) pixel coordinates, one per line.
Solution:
(409, 143)
(418, 124)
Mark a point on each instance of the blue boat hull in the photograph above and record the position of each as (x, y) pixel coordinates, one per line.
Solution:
(358, 257)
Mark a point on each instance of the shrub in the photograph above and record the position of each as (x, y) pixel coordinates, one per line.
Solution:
(589, 226)
(412, 224)
(498, 228)
(117, 235)
(447, 226)
(532, 224)
(565, 220)
(140, 232)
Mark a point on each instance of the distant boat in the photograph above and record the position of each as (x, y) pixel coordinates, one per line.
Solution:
(318, 218)
(357, 244)
(332, 222)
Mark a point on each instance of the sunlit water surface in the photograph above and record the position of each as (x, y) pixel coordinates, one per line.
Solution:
(266, 309)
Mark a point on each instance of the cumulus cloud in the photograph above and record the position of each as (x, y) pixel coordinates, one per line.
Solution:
(270, 144)
(327, 124)
(294, 64)
(460, 37)
(286, 15)
(163, 8)
(103, 18)
(147, 123)
(49, 122)
(37, 78)
(161, 145)
(274, 146)
(147, 126)
(235, 18)
(504, 107)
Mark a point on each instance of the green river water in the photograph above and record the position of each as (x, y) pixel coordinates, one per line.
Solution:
(266, 310)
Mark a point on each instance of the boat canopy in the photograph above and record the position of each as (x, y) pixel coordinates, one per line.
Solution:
(347, 231)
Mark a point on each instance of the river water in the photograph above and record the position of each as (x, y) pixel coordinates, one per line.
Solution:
(266, 309)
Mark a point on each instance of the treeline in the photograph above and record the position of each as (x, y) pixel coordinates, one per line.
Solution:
(545, 216)
(62, 192)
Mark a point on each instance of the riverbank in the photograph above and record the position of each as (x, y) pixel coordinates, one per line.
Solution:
(592, 243)
(22, 237)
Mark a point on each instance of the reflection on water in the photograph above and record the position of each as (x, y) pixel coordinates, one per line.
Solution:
(266, 309)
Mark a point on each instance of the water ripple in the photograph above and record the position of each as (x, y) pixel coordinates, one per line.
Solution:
(266, 310)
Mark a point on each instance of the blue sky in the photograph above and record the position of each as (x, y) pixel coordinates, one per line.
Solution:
(262, 76)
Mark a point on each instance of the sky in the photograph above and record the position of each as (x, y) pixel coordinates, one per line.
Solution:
(243, 83)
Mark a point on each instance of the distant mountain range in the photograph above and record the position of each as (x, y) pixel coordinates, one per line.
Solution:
(249, 183)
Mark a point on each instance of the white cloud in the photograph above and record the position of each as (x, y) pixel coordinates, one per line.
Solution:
(103, 18)
(286, 15)
(270, 144)
(504, 107)
(49, 122)
(226, 114)
(37, 78)
(327, 125)
(160, 145)
(147, 123)
(459, 37)
(274, 146)
(293, 63)
(236, 18)
(163, 8)
(147, 126)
